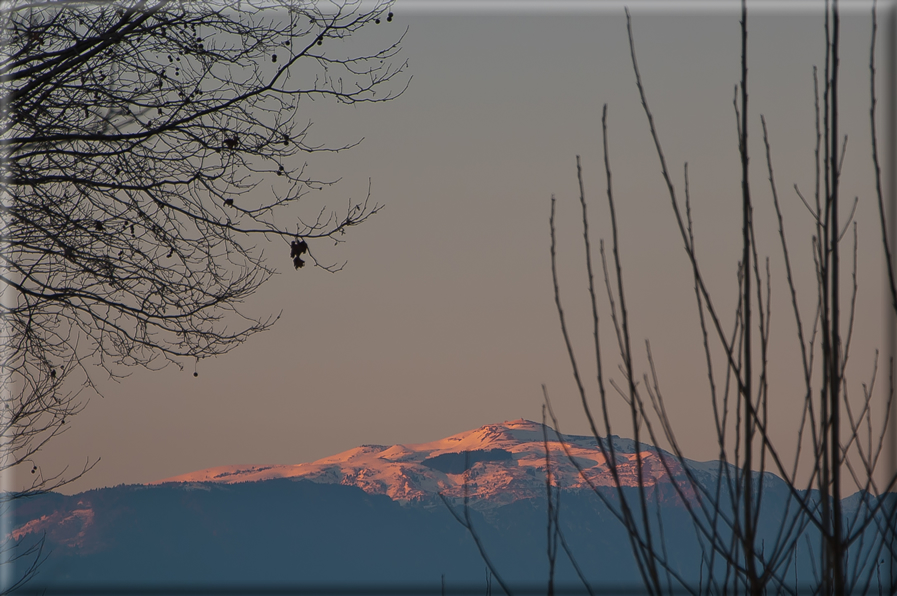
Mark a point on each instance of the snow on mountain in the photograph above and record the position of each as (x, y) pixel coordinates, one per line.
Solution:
(501, 463)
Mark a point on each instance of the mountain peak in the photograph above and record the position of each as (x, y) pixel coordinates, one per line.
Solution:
(500, 463)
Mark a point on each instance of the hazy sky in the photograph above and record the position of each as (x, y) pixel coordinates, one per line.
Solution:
(444, 318)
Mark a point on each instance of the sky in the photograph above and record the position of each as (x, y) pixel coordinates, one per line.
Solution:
(443, 318)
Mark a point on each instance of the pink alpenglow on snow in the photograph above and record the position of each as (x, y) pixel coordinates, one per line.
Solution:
(503, 463)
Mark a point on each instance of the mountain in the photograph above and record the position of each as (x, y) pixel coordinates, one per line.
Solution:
(505, 463)
(373, 516)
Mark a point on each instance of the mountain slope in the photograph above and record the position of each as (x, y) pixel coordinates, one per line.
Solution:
(372, 515)
(506, 462)
(288, 532)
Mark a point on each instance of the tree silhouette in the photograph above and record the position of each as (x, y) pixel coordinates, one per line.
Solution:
(147, 145)
(847, 442)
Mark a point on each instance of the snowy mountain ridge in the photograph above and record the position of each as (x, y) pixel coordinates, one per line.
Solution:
(373, 513)
(503, 463)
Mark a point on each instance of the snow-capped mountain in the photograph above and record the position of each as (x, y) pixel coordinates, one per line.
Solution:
(372, 516)
(501, 463)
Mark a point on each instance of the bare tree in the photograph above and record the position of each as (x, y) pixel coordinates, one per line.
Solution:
(147, 147)
(845, 544)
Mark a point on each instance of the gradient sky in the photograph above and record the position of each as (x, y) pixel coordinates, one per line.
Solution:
(443, 319)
